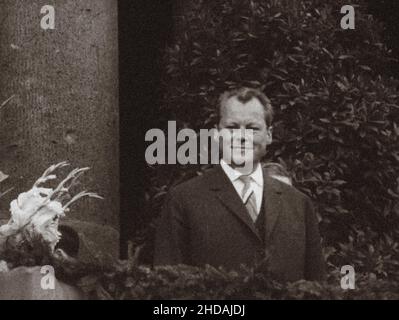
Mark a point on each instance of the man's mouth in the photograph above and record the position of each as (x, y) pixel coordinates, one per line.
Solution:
(242, 147)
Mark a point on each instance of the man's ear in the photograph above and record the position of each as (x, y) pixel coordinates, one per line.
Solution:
(269, 135)
(217, 127)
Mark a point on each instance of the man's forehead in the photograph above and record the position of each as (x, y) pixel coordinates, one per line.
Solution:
(234, 106)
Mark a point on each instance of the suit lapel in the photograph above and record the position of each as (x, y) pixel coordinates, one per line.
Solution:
(224, 190)
(272, 202)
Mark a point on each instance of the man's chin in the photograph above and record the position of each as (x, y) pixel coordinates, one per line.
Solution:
(243, 164)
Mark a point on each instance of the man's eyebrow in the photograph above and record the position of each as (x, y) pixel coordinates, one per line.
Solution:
(253, 123)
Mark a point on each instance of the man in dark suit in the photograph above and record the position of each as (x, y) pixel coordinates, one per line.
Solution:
(230, 216)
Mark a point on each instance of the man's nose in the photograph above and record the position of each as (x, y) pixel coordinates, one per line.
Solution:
(242, 135)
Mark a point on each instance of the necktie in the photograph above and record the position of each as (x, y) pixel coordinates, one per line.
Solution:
(250, 204)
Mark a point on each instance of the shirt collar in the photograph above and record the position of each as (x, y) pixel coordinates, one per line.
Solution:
(234, 175)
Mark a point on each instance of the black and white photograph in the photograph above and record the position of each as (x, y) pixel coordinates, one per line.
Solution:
(190, 150)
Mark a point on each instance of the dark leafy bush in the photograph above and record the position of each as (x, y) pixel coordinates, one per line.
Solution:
(387, 11)
(129, 280)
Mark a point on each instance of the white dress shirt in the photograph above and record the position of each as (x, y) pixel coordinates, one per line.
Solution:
(256, 182)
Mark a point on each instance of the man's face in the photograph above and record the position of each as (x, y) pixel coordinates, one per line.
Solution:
(249, 132)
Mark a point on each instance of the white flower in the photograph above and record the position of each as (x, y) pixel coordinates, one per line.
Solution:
(37, 212)
(45, 222)
(32, 211)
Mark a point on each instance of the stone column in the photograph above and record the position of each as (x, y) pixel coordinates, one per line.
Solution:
(65, 106)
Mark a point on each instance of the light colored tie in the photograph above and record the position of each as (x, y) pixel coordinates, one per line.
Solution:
(250, 204)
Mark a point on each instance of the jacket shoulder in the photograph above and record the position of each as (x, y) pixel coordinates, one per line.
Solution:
(291, 191)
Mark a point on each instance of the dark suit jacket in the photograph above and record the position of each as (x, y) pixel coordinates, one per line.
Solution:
(205, 222)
